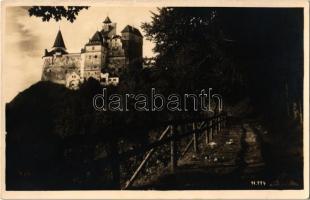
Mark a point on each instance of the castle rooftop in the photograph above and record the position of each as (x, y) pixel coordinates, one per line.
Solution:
(131, 29)
(107, 20)
(96, 39)
(59, 41)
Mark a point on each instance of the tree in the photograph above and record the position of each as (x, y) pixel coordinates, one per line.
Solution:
(56, 12)
(192, 49)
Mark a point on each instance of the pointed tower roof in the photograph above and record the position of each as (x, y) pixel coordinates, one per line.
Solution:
(59, 41)
(96, 39)
(107, 20)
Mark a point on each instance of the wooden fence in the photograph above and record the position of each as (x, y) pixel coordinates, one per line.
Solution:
(207, 127)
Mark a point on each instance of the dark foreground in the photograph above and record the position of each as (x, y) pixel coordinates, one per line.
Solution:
(237, 158)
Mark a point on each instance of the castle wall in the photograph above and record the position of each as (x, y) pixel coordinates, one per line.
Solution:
(55, 68)
(116, 57)
(94, 59)
(116, 64)
(82, 66)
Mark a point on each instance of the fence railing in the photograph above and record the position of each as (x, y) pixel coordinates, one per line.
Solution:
(208, 127)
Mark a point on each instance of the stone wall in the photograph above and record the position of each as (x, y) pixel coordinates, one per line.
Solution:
(55, 68)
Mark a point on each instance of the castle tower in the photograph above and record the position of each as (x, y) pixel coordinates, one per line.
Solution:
(95, 56)
(54, 67)
(132, 41)
(108, 28)
(59, 41)
(107, 20)
(106, 23)
(59, 47)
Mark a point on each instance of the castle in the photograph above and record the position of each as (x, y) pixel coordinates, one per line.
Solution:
(103, 57)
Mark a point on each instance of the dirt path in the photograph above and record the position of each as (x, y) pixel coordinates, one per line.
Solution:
(254, 163)
(232, 160)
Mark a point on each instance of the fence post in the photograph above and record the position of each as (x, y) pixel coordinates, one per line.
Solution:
(195, 137)
(146, 158)
(219, 123)
(211, 130)
(207, 134)
(173, 151)
(215, 126)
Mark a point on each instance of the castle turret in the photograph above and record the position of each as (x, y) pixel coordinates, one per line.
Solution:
(59, 41)
(107, 20)
(108, 28)
(58, 48)
(59, 66)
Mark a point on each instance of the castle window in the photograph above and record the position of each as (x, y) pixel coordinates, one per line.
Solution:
(93, 48)
(89, 57)
(95, 56)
